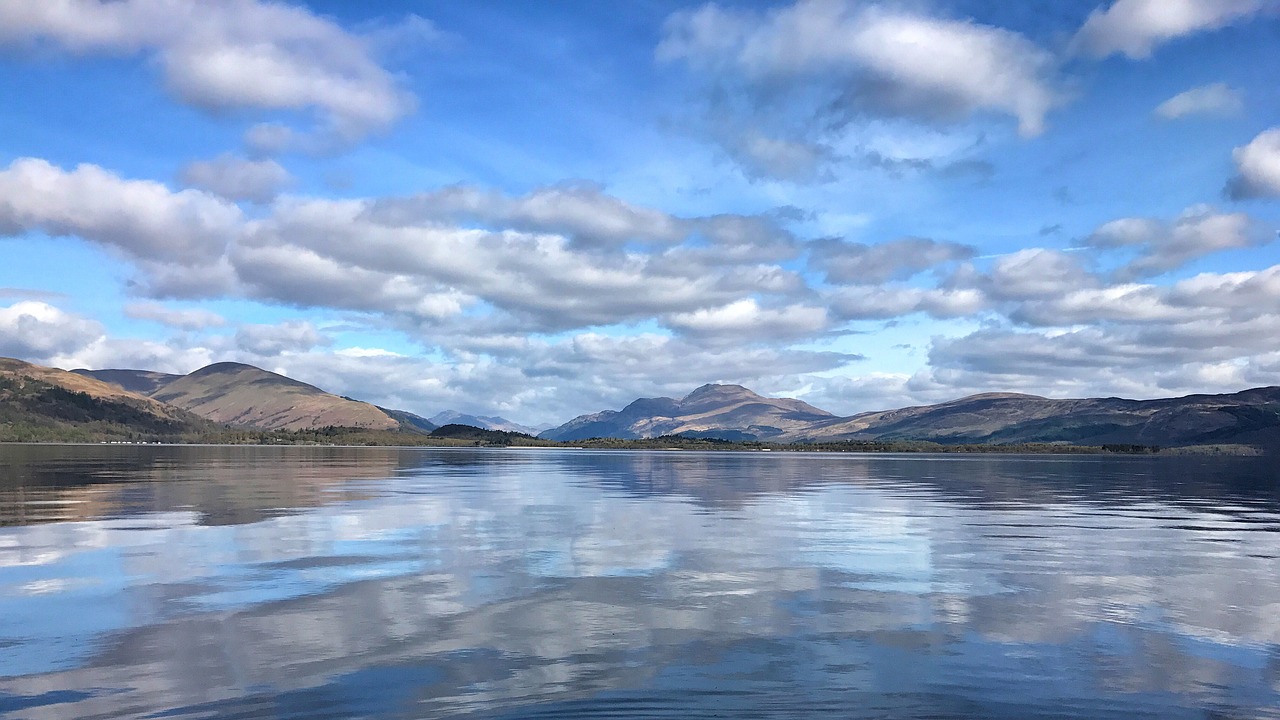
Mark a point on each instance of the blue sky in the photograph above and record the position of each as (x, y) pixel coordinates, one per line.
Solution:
(543, 209)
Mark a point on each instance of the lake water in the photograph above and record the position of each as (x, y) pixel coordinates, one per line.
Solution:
(197, 582)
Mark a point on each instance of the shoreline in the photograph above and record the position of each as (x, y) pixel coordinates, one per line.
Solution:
(852, 448)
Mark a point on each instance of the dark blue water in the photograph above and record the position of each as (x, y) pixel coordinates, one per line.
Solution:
(384, 583)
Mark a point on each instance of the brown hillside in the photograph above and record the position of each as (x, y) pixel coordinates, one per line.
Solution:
(246, 396)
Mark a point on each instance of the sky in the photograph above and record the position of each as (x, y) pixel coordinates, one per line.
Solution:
(538, 210)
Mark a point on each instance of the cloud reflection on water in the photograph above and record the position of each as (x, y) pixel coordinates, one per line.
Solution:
(483, 580)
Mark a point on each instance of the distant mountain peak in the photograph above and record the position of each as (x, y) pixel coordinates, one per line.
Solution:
(710, 409)
(718, 390)
(226, 366)
(248, 396)
(484, 422)
(999, 396)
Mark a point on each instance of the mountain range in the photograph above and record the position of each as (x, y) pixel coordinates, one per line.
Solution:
(245, 396)
(732, 412)
(38, 403)
(36, 400)
(484, 422)
(728, 412)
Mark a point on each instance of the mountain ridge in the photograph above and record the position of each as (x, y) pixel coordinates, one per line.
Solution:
(243, 395)
(38, 403)
(247, 396)
(709, 408)
(259, 405)
(483, 422)
(1013, 418)
(1250, 416)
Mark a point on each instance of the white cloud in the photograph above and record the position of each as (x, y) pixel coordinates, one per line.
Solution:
(40, 332)
(182, 319)
(581, 212)
(891, 61)
(362, 352)
(745, 321)
(288, 337)
(1036, 273)
(350, 255)
(139, 217)
(47, 335)
(1136, 27)
(1257, 167)
(323, 252)
(527, 305)
(236, 178)
(874, 302)
(219, 55)
(861, 264)
(1110, 352)
(1253, 292)
(1161, 246)
(1220, 297)
(1130, 303)
(1216, 99)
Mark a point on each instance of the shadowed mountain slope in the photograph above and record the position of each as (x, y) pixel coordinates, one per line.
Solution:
(409, 422)
(143, 382)
(246, 396)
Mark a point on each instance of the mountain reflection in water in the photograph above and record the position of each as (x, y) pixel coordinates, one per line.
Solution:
(375, 582)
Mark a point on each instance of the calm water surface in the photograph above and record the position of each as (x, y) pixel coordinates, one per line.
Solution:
(405, 583)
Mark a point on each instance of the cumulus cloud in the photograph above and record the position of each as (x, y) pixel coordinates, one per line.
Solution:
(181, 319)
(889, 61)
(1133, 339)
(1035, 273)
(1163, 246)
(582, 212)
(871, 302)
(528, 304)
(1122, 350)
(586, 216)
(1208, 297)
(307, 252)
(219, 55)
(1251, 292)
(745, 321)
(1257, 167)
(541, 261)
(39, 332)
(286, 337)
(237, 179)
(47, 335)
(1216, 99)
(1136, 27)
(1130, 303)
(861, 264)
(141, 218)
